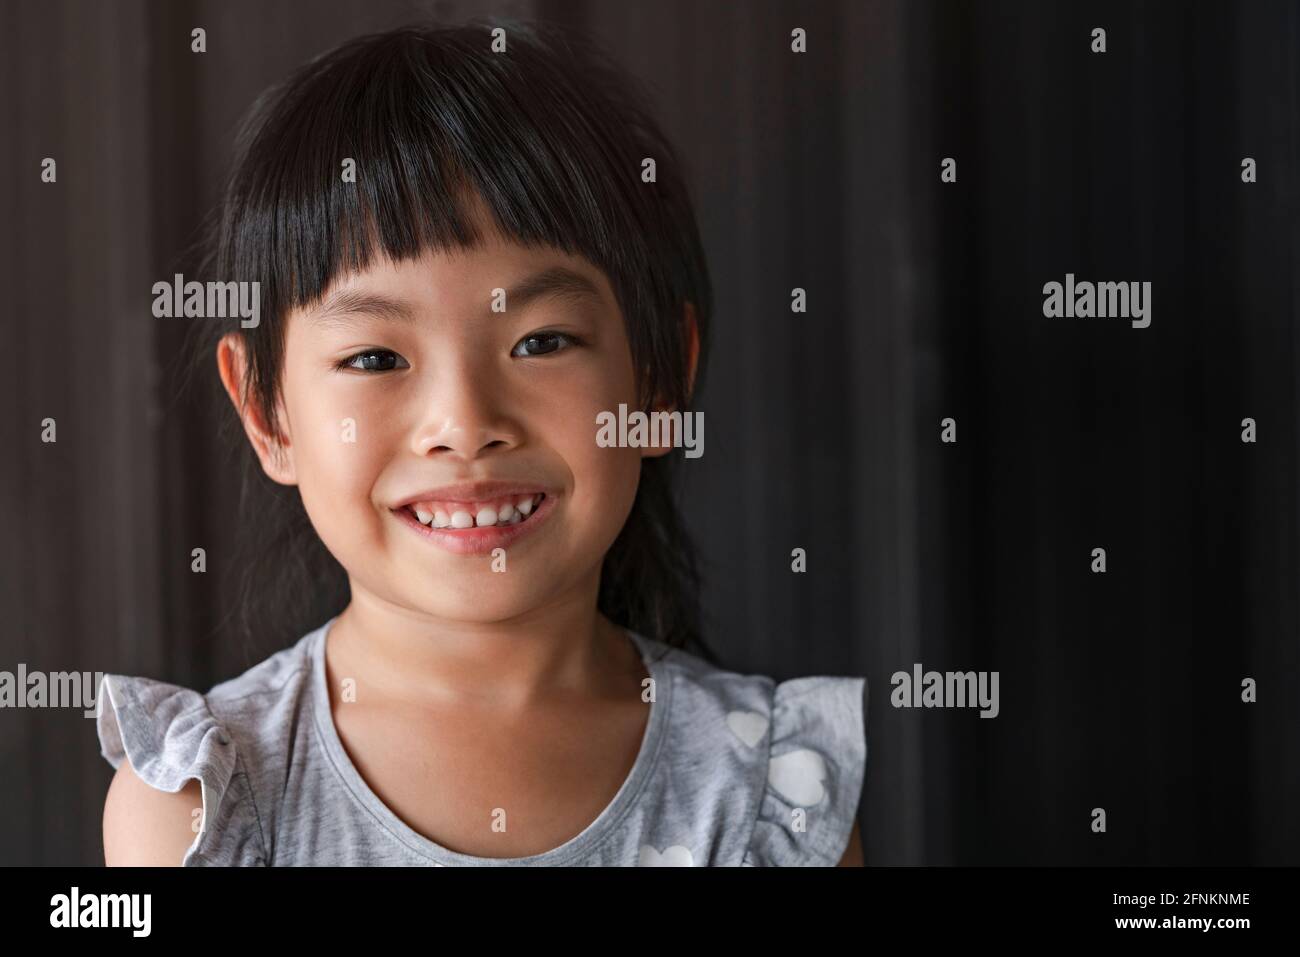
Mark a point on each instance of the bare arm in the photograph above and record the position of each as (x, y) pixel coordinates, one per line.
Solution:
(144, 826)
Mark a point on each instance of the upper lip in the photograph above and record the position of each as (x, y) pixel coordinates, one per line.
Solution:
(484, 491)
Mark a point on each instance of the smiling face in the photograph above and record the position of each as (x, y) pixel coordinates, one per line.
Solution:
(403, 380)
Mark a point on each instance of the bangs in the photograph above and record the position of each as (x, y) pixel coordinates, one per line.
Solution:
(548, 134)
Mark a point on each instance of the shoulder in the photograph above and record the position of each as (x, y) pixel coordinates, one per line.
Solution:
(793, 753)
(195, 771)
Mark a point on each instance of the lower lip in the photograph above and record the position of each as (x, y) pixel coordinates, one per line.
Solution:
(478, 541)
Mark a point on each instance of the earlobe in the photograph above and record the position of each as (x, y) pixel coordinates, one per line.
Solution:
(655, 451)
(273, 449)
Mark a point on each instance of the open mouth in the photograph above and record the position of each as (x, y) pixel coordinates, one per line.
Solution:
(455, 516)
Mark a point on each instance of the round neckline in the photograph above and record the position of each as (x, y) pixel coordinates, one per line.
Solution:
(606, 821)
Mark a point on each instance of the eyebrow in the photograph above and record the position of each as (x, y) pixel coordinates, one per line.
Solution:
(556, 282)
(346, 302)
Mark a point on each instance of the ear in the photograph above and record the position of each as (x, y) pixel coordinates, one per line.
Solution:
(692, 331)
(273, 450)
(693, 345)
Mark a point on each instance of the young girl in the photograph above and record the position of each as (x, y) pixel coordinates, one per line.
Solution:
(470, 243)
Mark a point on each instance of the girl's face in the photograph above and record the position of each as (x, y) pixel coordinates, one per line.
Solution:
(404, 380)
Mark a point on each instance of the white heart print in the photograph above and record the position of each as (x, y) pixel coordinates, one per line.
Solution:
(675, 856)
(798, 776)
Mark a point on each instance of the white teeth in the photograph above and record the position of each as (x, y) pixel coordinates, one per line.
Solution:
(508, 513)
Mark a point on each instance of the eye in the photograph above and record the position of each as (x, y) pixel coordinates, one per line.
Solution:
(542, 343)
(373, 360)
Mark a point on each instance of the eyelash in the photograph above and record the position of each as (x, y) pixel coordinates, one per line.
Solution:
(568, 339)
(345, 365)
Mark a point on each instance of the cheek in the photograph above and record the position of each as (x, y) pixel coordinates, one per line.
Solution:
(339, 443)
(604, 479)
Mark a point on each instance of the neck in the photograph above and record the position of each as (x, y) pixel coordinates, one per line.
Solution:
(563, 647)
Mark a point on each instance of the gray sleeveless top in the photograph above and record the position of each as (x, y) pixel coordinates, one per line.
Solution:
(733, 770)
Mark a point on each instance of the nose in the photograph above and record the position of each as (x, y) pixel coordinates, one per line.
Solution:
(464, 415)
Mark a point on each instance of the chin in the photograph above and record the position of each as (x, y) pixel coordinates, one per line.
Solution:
(481, 605)
(478, 614)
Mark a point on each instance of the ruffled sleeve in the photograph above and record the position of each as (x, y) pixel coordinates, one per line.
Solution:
(816, 762)
(170, 736)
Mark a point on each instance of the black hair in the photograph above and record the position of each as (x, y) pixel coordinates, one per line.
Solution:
(551, 135)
